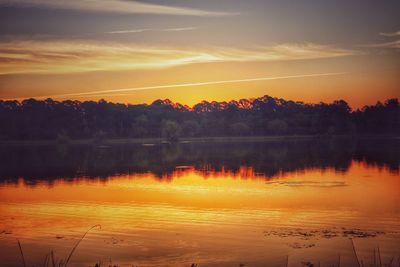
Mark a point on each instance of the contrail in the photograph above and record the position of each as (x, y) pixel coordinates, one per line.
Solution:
(143, 88)
(153, 30)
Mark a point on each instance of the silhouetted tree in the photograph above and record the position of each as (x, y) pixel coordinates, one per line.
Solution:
(239, 128)
(190, 128)
(50, 119)
(170, 130)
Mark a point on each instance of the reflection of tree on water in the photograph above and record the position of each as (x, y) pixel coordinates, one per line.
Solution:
(266, 159)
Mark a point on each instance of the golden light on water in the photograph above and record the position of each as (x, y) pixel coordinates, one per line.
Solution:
(189, 191)
(142, 214)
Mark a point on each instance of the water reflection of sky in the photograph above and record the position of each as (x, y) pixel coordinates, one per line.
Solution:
(245, 214)
(216, 205)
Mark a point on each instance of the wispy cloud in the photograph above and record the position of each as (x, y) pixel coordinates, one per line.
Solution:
(114, 6)
(389, 45)
(390, 34)
(82, 56)
(153, 30)
(291, 51)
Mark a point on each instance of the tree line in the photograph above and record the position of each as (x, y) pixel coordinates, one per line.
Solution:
(50, 119)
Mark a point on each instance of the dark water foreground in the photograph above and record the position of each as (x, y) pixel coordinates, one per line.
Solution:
(216, 204)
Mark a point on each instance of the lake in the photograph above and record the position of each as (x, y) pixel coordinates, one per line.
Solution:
(294, 202)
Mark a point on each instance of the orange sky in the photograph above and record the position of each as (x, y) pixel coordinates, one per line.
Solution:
(138, 52)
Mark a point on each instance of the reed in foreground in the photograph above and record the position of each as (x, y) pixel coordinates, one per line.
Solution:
(50, 259)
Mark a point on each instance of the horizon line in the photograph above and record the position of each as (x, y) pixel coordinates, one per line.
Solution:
(190, 107)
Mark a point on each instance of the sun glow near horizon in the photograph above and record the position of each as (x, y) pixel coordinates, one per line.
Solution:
(184, 51)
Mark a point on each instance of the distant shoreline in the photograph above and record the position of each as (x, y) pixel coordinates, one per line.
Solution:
(156, 141)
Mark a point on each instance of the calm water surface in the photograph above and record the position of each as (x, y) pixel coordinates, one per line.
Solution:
(216, 204)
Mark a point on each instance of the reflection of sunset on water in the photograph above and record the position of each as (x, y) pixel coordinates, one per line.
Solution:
(135, 207)
(212, 133)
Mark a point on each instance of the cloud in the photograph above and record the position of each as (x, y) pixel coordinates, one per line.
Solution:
(389, 45)
(114, 6)
(153, 30)
(281, 52)
(390, 34)
(82, 56)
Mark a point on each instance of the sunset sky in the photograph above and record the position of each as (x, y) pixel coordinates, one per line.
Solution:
(188, 51)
